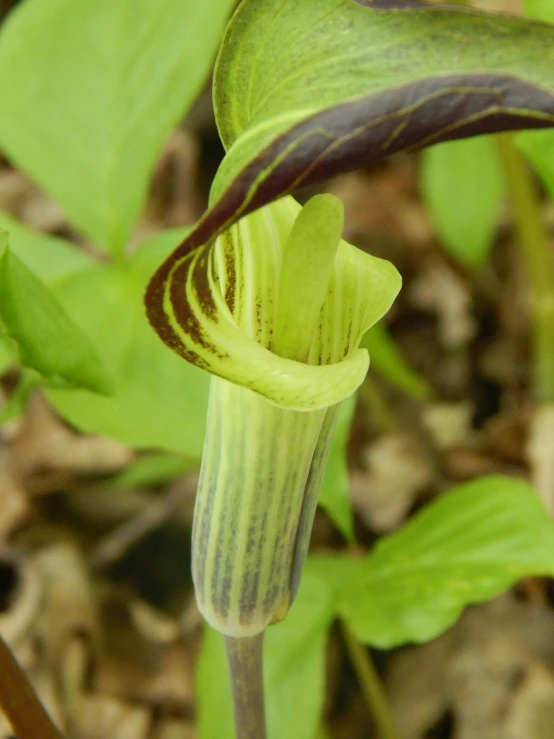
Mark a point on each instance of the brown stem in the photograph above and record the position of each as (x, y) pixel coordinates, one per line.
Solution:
(19, 702)
(245, 658)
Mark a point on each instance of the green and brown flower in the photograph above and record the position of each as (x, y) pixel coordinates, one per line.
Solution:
(275, 309)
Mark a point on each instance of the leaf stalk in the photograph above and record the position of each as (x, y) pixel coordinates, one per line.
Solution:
(537, 262)
(370, 684)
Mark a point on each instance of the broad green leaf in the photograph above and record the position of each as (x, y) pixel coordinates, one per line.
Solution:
(468, 546)
(294, 654)
(334, 497)
(48, 340)
(386, 359)
(160, 401)
(304, 90)
(89, 92)
(463, 187)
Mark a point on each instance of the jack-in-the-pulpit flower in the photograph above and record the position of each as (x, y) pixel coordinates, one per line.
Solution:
(275, 309)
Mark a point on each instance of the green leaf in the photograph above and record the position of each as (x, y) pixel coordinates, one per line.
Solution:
(89, 92)
(386, 359)
(49, 257)
(463, 188)
(151, 469)
(334, 497)
(542, 9)
(296, 661)
(470, 545)
(160, 401)
(294, 654)
(304, 90)
(214, 707)
(47, 338)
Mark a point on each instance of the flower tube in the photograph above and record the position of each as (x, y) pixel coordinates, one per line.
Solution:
(275, 309)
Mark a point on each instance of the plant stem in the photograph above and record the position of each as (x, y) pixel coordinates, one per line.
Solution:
(537, 260)
(19, 702)
(245, 658)
(370, 684)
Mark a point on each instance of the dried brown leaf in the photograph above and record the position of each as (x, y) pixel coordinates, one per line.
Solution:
(397, 469)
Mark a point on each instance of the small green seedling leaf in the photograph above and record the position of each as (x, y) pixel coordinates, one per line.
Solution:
(159, 401)
(47, 338)
(469, 546)
(89, 92)
(463, 188)
(294, 654)
(334, 497)
(386, 359)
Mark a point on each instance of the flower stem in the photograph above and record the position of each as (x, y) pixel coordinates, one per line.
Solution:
(245, 656)
(370, 684)
(19, 702)
(537, 261)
